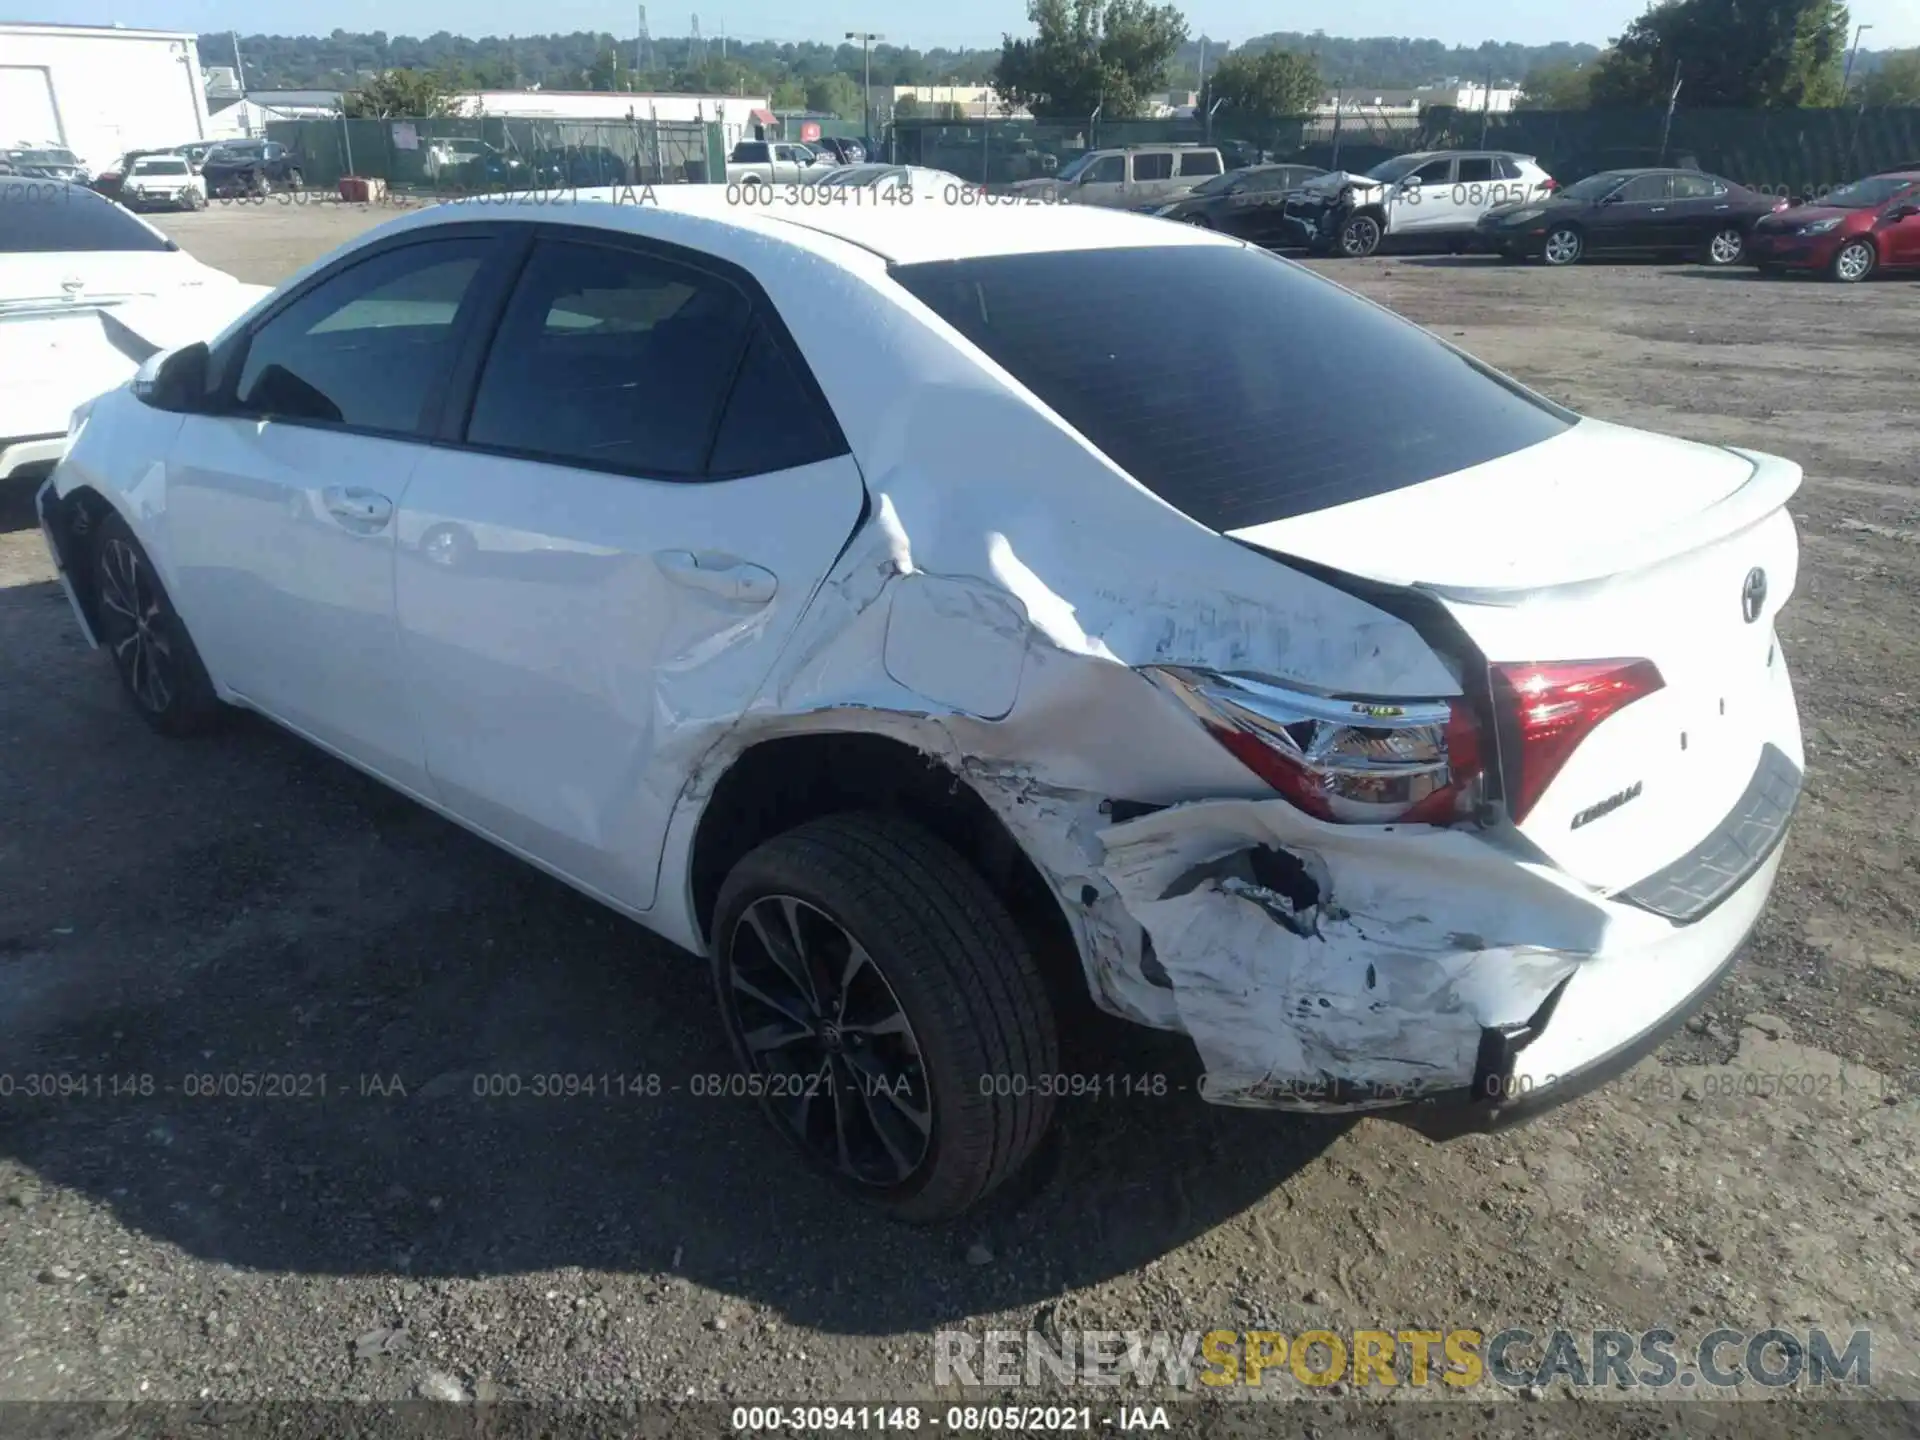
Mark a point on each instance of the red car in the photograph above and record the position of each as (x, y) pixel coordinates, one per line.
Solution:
(1870, 225)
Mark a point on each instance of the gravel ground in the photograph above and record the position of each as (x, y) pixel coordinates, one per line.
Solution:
(174, 911)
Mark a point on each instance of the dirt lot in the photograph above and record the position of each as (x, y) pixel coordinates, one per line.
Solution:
(246, 905)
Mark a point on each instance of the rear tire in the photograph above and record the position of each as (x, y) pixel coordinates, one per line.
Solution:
(965, 1027)
(140, 630)
(1855, 261)
(1726, 248)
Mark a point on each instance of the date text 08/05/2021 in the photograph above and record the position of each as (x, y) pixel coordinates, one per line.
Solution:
(810, 1419)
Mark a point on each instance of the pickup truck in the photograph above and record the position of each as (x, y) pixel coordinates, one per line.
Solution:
(772, 161)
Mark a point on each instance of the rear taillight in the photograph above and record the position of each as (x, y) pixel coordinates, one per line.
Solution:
(1547, 709)
(1782, 203)
(1549, 185)
(1352, 761)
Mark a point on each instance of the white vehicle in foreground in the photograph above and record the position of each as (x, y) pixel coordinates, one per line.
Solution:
(167, 180)
(87, 292)
(840, 596)
(1432, 198)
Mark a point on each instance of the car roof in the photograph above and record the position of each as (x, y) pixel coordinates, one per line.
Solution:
(899, 234)
(1896, 175)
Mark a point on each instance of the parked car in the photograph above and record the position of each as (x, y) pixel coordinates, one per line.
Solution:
(250, 167)
(838, 150)
(196, 152)
(924, 183)
(582, 167)
(1855, 232)
(87, 292)
(1434, 198)
(47, 162)
(478, 165)
(1141, 177)
(1128, 668)
(1631, 212)
(164, 181)
(1249, 203)
(772, 162)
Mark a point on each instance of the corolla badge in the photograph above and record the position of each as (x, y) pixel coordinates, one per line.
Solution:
(1753, 595)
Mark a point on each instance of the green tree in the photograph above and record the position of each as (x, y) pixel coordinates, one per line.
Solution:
(1109, 54)
(409, 94)
(834, 95)
(1896, 82)
(907, 107)
(1565, 86)
(1270, 85)
(1738, 54)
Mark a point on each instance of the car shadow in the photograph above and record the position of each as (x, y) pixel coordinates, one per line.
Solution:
(17, 493)
(290, 1021)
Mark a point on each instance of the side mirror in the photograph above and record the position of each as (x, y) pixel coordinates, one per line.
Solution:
(1906, 210)
(175, 380)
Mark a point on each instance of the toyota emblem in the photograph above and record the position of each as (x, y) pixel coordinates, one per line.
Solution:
(1753, 595)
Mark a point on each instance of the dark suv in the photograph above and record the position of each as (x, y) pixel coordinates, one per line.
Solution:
(250, 167)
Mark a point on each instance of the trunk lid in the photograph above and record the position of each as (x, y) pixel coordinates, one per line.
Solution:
(1604, 544)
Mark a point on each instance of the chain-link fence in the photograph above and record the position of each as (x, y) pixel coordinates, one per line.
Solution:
(1797, 152)
(453, 156)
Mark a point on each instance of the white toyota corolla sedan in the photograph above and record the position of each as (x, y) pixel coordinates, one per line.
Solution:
(926, 612)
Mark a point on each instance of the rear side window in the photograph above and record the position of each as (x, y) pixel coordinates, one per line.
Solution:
(50, 216)
(1476, 171)
(773, 421)
(1153, 167)
(1291, 396)
(1199, 162)
(1509, 168)
(610, 359)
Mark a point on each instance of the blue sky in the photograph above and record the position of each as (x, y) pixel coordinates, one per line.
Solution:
(913, 22)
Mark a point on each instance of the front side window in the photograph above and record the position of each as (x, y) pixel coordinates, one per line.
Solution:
(52, 216)
(1434, 172)
(610, 359)
(1645, 190)
(1108, 170)
(368, 346)
(1235, 422)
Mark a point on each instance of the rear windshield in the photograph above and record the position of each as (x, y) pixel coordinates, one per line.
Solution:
(1237, 386)
(43, 216)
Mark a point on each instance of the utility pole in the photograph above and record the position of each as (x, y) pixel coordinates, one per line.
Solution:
(240, 71)
(1486, 107)
(1852, 55)
(1673, 101)
(867, 38)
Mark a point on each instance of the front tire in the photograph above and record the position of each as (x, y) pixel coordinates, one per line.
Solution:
(1856, 260)
(1565, 246)
(1360, 237)
(886, 1011)
(295, 180)
(138, 627)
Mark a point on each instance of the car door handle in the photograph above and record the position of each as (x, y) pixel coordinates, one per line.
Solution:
(357, 507)
(1658, 210)
(718, 575)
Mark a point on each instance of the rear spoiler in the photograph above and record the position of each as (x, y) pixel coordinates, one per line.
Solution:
(1774, 481)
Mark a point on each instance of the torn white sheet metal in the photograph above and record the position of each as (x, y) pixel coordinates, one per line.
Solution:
(1420, 939)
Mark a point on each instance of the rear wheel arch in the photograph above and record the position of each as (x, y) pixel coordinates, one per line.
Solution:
(782, 783)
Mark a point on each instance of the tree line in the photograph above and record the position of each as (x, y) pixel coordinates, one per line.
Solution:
(1112, 55)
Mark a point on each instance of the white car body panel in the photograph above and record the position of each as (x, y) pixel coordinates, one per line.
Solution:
(586, 694)
(73, 325)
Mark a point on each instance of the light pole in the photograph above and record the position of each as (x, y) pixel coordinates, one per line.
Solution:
(866, 39)
(1852, 55)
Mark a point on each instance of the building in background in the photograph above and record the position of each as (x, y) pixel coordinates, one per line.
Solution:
(99, 91)
(734, 113)
(955, 102)
(237, 117)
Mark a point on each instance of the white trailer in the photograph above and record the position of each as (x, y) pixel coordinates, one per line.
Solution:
(99, 91)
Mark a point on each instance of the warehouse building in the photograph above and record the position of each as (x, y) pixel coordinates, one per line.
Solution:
(99, 91)
(734, 113)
